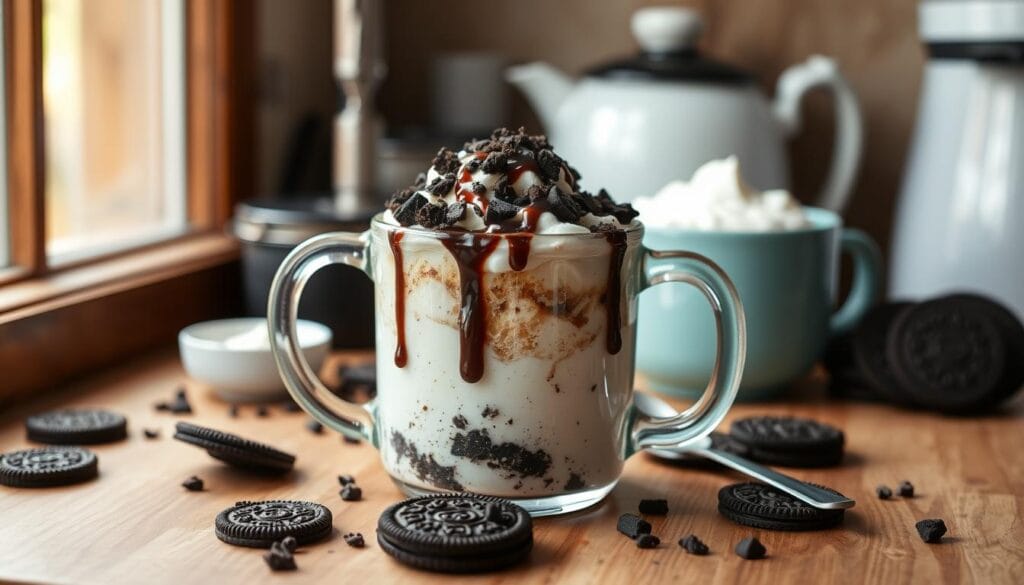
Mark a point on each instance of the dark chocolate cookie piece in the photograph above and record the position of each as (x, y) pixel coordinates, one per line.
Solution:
(949, 355)
(76, 427)
(235, 450)
(762, 506)
(47, 467)
(261, 524)
(789, 441)
(456, 533)
(869, 352)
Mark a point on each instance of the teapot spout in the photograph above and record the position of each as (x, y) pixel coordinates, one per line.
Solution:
(544, 87)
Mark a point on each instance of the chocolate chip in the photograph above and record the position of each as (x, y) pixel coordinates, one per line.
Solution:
(906, 489)
(883, 492)
(750, 548)
(564, 208)
(290, 544)
(496, 162)
(315, 427)
(654, 507)
(633, 526)
(151, 433)
(550, 165)
(405, 215)
(693, 545)
(499, 211)
(351, 493)
(445, 161)
(441, 185)
(931, 531)
(279, 559)
(647, 541)
(431, 215)
(354, 539)
(193, 484)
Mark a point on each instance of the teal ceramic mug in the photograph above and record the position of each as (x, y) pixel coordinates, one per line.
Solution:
(787, 283)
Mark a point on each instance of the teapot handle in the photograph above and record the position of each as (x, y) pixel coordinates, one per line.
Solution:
(793, 84)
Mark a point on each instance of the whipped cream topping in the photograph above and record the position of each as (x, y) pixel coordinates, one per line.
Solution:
(508, 184)
(717, 198)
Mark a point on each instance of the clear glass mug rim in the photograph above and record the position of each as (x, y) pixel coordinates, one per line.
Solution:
(634, 233)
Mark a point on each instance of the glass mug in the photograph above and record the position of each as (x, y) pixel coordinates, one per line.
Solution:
(505, 361)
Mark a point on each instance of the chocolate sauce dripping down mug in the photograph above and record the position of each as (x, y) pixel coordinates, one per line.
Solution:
(503, 381)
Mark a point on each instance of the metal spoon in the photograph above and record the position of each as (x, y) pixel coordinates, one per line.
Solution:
(817, 497)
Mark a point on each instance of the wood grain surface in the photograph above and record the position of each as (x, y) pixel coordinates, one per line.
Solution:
(136, 524)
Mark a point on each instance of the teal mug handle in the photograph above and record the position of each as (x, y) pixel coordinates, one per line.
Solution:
(867, 276)
(699, 420)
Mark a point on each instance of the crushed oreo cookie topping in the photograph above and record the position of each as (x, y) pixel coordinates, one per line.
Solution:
(694, 545)
(508, 180)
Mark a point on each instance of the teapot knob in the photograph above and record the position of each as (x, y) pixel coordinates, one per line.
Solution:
(666, 29)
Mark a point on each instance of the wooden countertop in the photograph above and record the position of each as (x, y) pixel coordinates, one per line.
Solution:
(136, 524)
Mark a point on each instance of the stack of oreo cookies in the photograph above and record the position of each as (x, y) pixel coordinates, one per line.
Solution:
(958, 354)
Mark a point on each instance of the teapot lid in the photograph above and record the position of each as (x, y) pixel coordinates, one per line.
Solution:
(667, 36)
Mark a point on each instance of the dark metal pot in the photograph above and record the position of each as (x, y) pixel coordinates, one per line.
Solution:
(338, 296)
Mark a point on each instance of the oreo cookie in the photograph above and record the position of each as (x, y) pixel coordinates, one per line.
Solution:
(456, 533)
(789, 441)
(261, 524)
(870, 356)
(76, 427)
(1012, 331)
(234, 450)
(47, 467)
(762, 506)
(948, 355)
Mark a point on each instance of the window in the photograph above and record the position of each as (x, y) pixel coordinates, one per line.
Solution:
(114, 117)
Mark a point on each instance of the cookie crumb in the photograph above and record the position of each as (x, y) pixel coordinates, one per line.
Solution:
(647, 541)
(151, 433)
(883, 492)
(931, 530)
(315, 427)
(633, 526)
(750, 548)
(654, 507)
(906, 489)
(693, 545)
(193, 484)
(355, 540)
(351, 493)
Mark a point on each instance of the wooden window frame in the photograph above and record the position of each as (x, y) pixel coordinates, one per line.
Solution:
(47, 312)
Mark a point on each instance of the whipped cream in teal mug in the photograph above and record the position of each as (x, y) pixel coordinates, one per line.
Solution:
(784, 261)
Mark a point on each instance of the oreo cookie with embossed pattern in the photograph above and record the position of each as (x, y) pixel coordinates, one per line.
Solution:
(235, 450)
(76, 427)
(762, 506)
(949, 355)
(456, 533)
(47, 467)
(789, 441)
(261, 524)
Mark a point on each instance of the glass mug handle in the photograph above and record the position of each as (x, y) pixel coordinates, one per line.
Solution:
(350, 419)
(700, 419)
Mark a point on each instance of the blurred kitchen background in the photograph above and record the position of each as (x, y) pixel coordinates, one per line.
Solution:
(875, 43)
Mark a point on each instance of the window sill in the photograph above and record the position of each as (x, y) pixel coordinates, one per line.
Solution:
(136, 269)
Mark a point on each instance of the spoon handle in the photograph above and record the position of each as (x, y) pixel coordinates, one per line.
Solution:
(814, 496)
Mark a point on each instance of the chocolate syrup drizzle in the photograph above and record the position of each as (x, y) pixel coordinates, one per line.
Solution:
(401, 356)
(471, 250)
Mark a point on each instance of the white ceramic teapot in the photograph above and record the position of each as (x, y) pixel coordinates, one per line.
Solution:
(634, 125)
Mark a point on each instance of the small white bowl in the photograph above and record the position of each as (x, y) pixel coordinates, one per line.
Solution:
(233, 356)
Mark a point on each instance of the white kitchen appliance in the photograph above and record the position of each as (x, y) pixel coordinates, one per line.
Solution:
(634, 125)
(960, 218)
